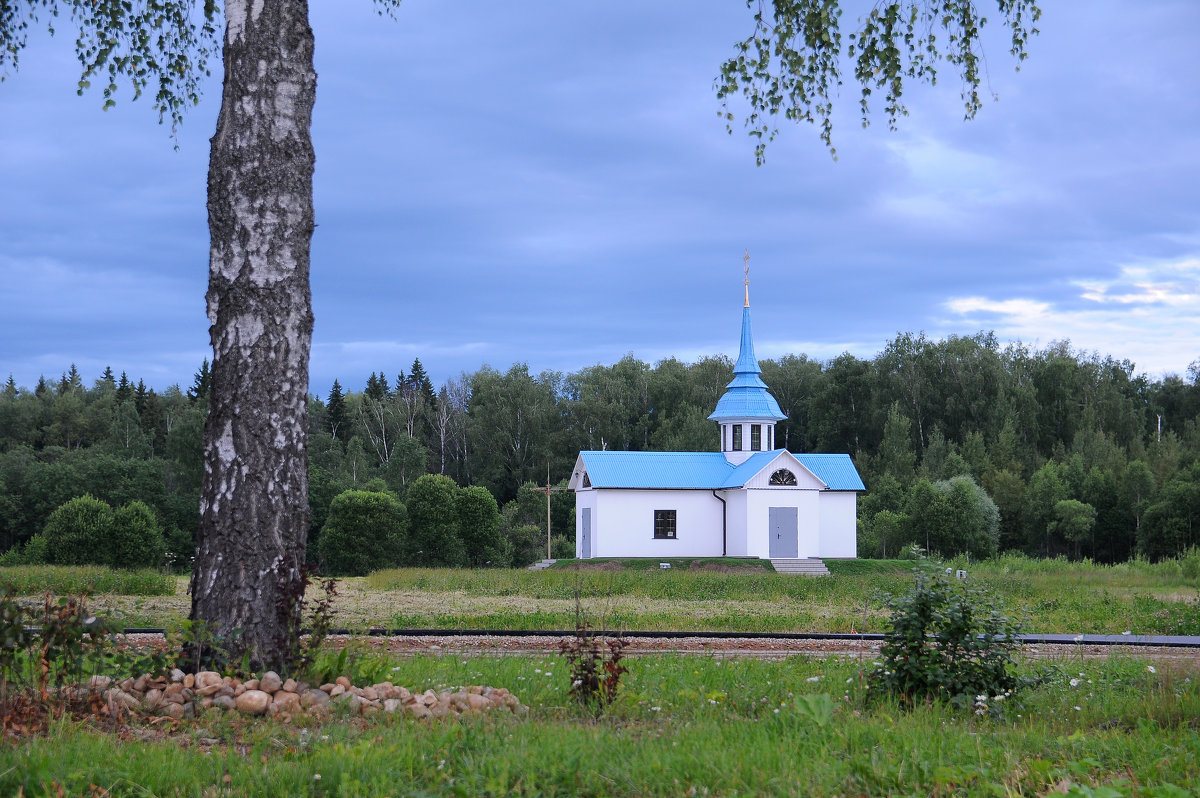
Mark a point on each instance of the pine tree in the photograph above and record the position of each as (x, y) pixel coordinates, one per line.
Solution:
(335, 410)
(201, 384)
(124, 392)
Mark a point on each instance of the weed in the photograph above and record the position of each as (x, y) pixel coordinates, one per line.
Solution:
(595, 674)
(946, 640)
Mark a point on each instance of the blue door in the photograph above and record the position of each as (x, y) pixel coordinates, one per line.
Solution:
(783, 524)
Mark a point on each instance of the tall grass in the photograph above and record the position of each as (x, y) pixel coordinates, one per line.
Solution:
(683, 726)
(90, 579)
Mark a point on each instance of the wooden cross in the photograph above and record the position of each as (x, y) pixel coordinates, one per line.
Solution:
(548, 490)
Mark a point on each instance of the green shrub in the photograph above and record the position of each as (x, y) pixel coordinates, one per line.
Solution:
(946, 640)
(364, 532)
(181, 549)
(434, 537)
(479, 526)
(136, 541)
(78, 532)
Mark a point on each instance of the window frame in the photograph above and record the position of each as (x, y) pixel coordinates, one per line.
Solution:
(737, 438)
(666, 525)
(756, 438)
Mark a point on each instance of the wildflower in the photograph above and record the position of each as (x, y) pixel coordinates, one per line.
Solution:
(577, 682)
(813, 679)
(1151, 669)
(316, 777)
(441, 764)
(655, 709)
(851, 679)
(1075, 682)
(776, 711)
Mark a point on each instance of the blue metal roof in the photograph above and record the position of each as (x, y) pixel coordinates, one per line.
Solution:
(835, 470)
(705, 470)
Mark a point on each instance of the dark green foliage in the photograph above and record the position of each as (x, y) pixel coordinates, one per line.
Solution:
(946, 640)
(433, 524)
(137, 541)
(78, 532)
(479, 526)
(364, 532)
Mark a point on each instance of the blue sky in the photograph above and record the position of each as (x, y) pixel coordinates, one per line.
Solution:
(549, 183)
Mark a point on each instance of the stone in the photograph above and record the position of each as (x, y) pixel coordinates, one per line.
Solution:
(189, 680)
(343, 681)
(251, 684)
(225, 702)
(173, 691)
(270, 682)
(286, 701)
(99, 683)
(291, 686)
(139, 684)
(337, 690)
(328, 688)
(172, 711)
(177, 675)
(477, 703)
(211, 689)
(314, 698)
(253, 702)
(152, 699)
(418, 710)
(225, 690)
(120, 699)
(391, 705)
(370, 693)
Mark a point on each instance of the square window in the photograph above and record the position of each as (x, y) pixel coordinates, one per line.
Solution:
(664, 525)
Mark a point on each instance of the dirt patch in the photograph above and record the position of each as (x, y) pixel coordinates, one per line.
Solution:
(722, 568)
(595, 566)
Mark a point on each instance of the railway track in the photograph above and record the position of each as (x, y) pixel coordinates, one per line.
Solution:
(1184, 650)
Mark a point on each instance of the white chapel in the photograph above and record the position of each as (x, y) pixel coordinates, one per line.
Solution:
(747, 500)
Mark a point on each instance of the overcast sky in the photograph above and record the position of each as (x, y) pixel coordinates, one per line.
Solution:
(548, 182)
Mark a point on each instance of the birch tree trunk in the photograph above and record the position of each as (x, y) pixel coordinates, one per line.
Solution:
(246, 583)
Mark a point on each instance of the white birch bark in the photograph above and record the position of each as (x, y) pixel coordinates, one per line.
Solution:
(254, 514)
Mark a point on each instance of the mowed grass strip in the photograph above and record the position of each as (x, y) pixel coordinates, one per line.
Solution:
(680, 726)
(1056, 596)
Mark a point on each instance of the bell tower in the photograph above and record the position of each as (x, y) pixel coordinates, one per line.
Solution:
(747, 412)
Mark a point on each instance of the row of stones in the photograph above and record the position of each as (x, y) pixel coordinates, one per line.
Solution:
(182, 695)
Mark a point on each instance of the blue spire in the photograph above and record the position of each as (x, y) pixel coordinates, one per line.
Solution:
(746, 395)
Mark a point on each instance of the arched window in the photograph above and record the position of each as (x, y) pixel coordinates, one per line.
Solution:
(783, 477)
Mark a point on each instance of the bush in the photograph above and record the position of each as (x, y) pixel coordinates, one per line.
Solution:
(364, 532)
(479, 526)
(78, 532)
(946, 640)
(434, 538)
(136, 541)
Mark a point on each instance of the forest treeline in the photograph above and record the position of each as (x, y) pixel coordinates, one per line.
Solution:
(1080, 455)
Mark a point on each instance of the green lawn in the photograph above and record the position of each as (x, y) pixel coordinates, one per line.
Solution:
(681, 726)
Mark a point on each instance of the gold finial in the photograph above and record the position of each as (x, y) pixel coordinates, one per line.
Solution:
(747, 280)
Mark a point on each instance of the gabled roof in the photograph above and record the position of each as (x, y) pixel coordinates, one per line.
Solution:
(702, 470)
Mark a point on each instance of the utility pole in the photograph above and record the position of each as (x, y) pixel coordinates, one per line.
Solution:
(548, 490)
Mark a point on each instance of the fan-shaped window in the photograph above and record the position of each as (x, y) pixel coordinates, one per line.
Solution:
(783, 477)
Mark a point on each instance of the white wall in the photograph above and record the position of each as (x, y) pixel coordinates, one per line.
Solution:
(839, 531)
(736, 512)
(623, 523)
(758, 519)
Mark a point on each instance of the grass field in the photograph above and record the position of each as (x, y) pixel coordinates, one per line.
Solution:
(1057, 596)
(681, 726)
